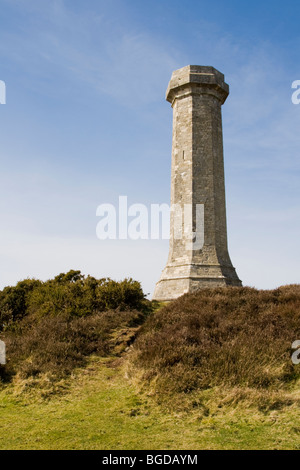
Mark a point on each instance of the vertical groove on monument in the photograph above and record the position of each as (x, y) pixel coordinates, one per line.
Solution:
(197, 178)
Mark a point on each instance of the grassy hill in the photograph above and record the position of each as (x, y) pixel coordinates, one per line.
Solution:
(93, 365)
(230, 338)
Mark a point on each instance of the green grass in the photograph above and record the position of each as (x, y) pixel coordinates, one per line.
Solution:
(101, 409)
(211, 370)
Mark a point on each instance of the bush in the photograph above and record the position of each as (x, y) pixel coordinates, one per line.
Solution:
(13, 301)
(58, 344)
(70, 294)
(122, 295)
(230, 336)
(54, 326)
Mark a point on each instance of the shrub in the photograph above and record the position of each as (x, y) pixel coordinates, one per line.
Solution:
(14, 301)
(54, 326)
(229, 336)
(58, 344)
(70, 294)
(122, 295)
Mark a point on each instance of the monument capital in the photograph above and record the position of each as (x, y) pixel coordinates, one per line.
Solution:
(197, 79)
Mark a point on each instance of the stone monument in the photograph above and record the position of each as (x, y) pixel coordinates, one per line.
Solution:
(196, 94)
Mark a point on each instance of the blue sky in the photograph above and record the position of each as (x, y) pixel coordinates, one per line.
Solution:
(86, 121)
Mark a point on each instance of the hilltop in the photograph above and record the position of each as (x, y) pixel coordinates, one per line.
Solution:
(93, 364)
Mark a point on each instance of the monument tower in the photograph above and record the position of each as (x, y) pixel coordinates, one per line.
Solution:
(196, 94)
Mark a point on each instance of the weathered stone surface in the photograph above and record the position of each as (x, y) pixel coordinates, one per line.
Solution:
(196, 94)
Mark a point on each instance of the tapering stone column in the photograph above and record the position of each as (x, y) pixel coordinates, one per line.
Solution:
(196, 94)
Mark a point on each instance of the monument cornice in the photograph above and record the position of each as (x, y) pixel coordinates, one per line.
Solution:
(195, 90)
(195, 79)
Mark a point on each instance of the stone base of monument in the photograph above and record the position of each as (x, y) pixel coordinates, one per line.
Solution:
(181, 279)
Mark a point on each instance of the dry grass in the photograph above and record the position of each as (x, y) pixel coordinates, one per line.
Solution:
(235, 338)
(54, 346)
